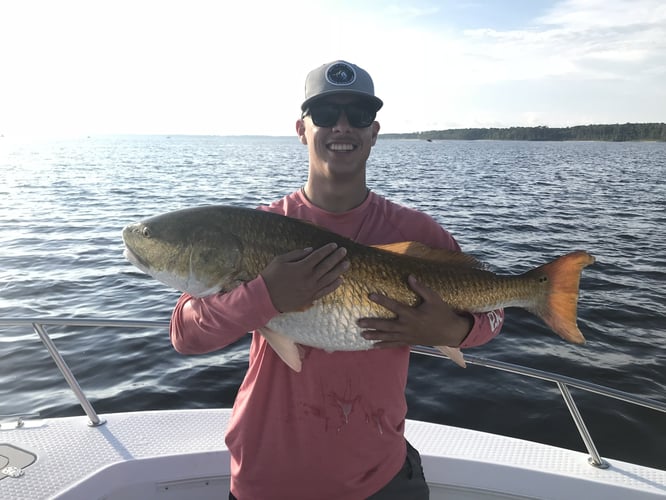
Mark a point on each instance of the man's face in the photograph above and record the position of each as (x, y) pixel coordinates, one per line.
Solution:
(341, 145)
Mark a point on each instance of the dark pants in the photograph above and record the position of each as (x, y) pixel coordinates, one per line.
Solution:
(408, 483)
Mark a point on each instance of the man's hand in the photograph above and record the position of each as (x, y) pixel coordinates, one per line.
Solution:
(433, 322)
(296, 279)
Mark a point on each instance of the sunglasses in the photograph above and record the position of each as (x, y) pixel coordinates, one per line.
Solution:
(327, 114)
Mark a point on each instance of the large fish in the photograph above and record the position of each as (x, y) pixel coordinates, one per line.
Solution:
(211, 249)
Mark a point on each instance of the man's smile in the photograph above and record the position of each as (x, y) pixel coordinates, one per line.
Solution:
(337, 146)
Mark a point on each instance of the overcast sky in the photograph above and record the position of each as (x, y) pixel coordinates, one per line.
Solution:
(238, 67)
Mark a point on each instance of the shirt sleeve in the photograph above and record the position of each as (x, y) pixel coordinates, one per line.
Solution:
(201, 325)
(486, 327)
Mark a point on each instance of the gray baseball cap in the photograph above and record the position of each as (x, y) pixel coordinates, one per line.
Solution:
(339, 77)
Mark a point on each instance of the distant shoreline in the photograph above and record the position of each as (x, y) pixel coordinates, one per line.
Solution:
(627, 132)
(654, 132)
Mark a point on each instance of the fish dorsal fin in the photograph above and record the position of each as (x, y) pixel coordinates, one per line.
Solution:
(416, 249)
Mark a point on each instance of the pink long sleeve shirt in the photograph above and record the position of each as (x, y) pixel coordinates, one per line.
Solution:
(334, 430)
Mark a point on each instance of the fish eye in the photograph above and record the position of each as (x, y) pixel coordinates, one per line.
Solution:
(146, 232)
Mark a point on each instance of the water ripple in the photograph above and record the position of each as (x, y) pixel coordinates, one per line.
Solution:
(515, 205)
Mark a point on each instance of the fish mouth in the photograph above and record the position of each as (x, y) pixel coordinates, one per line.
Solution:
(136, 260)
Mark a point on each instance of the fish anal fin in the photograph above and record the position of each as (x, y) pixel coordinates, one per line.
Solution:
(454, 354)
(419, 250)
(288, 350)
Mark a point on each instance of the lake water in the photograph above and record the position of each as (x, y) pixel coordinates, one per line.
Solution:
(514, 205)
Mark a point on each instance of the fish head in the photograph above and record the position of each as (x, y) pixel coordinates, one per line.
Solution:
(187, 250)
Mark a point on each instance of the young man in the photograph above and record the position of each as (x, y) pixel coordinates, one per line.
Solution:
(334, 430)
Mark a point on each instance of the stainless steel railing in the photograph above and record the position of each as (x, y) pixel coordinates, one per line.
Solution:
(563, 382)
(39, 326)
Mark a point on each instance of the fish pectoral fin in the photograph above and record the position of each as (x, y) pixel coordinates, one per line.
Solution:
(454, 354)
(419, 250)
(288, 350)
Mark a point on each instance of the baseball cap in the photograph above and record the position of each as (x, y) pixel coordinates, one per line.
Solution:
(339, 77)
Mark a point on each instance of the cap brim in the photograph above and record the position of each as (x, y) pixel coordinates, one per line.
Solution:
(376, 102)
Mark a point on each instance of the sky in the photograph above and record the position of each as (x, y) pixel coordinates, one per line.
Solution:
(238, 67)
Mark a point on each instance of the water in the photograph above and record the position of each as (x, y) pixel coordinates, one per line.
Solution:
(512, 204)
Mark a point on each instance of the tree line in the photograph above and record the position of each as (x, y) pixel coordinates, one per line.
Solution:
(613, 132)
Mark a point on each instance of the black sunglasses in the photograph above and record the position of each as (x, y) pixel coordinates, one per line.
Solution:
(327, 114)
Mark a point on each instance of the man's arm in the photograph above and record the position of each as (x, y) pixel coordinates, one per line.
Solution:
(290, 282)
(200, 325)
(433, 322)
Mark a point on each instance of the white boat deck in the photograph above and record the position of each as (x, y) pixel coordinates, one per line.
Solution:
(181, 454)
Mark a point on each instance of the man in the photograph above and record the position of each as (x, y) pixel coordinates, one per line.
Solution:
(334, 430)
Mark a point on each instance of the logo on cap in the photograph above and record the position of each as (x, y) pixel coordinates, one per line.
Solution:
(340, 74)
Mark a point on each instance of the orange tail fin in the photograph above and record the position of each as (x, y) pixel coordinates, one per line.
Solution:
(558, 308)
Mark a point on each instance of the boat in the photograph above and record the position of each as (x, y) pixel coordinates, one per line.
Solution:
(181, 454)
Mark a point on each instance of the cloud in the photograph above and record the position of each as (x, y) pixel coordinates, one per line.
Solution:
(581, 61)
(580, 39)
(620, 37)
(586, 14)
